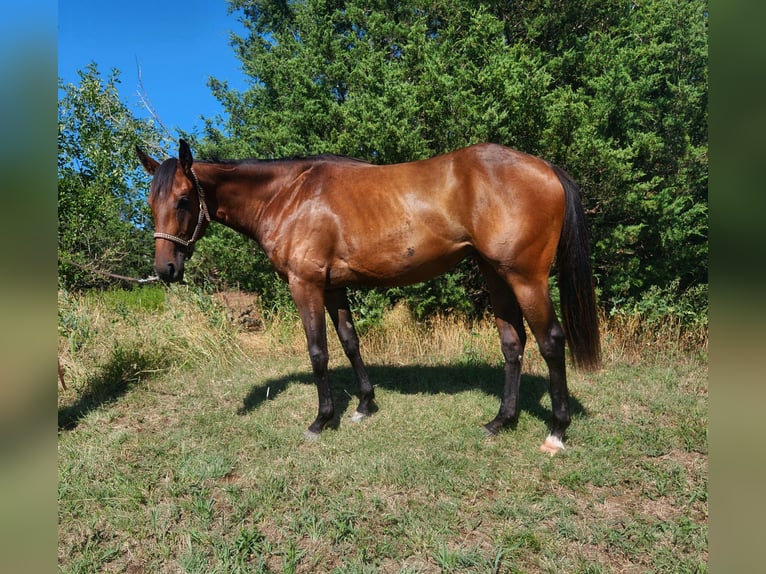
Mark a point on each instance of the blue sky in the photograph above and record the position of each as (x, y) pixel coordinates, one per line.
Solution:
(177, 44)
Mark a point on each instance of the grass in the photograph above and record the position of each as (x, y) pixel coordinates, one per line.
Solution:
(192, 459)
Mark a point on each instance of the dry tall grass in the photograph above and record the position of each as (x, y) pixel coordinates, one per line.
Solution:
(178, 327)
(113, 339)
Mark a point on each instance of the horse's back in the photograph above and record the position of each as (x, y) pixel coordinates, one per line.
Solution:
(462, 180)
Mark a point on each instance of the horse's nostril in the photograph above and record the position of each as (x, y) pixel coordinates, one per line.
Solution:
(171, 270)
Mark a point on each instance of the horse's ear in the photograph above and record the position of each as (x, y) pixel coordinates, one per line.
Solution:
(185, 156)
(150, 164)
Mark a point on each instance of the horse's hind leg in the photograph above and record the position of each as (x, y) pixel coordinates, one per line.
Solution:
(337, 305)
(510, 326)
(535, 302)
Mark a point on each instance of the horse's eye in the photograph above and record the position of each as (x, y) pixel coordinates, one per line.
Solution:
(183, 203)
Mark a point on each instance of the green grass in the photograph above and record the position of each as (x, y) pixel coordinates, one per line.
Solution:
(204, 468)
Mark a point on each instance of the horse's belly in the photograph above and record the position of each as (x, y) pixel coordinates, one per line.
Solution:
(403, 265)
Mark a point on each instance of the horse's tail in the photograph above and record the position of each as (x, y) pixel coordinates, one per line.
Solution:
(575, 279)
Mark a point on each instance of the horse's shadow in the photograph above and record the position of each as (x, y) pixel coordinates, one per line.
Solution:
(414, 379)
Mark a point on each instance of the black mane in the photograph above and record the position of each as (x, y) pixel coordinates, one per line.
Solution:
(163, 177)
(329, 157)
(165, 174)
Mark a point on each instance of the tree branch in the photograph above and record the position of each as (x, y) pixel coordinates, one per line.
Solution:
(93, 269)
(144, 97)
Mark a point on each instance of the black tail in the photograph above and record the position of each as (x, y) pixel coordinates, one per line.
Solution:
(575, 278)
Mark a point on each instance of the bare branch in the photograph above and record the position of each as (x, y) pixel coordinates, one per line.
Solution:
(144, 97)
(93, 269)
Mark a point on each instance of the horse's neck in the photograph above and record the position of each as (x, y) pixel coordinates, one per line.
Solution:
(241, 192)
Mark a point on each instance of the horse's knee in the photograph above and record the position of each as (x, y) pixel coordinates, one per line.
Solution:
(319, 358)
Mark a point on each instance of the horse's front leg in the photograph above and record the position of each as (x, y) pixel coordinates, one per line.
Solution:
(340, 313)
(310, 303)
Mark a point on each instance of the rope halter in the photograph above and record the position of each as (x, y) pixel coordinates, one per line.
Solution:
(203, 215)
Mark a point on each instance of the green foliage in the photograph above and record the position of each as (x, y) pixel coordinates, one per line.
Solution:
(368, 307)
(448, 294)
(388, 82)
(658, 305)
(614, 92)
(643, 165)
(459, 292)
(132, 299)
(227, 259)
(104, 221)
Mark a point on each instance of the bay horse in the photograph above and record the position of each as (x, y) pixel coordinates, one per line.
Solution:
(330, 222)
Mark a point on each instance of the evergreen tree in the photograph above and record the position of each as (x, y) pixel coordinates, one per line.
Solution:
(615, 92)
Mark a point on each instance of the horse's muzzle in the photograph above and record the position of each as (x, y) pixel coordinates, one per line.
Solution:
(170, 273)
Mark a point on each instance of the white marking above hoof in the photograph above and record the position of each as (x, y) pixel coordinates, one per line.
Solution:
(552, 445)
(358, 417)
(311, 436)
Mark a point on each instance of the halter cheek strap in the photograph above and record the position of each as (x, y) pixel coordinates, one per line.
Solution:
(203, 215)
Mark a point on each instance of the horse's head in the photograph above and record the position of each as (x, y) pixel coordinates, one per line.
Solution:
(178, 206)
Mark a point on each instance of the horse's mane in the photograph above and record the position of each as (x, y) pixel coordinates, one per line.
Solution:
(163, 177)
(325, 157)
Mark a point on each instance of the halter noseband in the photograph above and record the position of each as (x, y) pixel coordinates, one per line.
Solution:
(203, 214)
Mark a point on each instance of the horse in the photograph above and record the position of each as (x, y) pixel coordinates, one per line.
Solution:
(327, 223)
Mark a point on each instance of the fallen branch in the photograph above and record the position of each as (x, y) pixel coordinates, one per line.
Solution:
(92, 269)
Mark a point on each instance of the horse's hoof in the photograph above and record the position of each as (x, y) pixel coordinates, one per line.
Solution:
(552, 445)
(311, 436)
(358, 417)
(489, 431)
